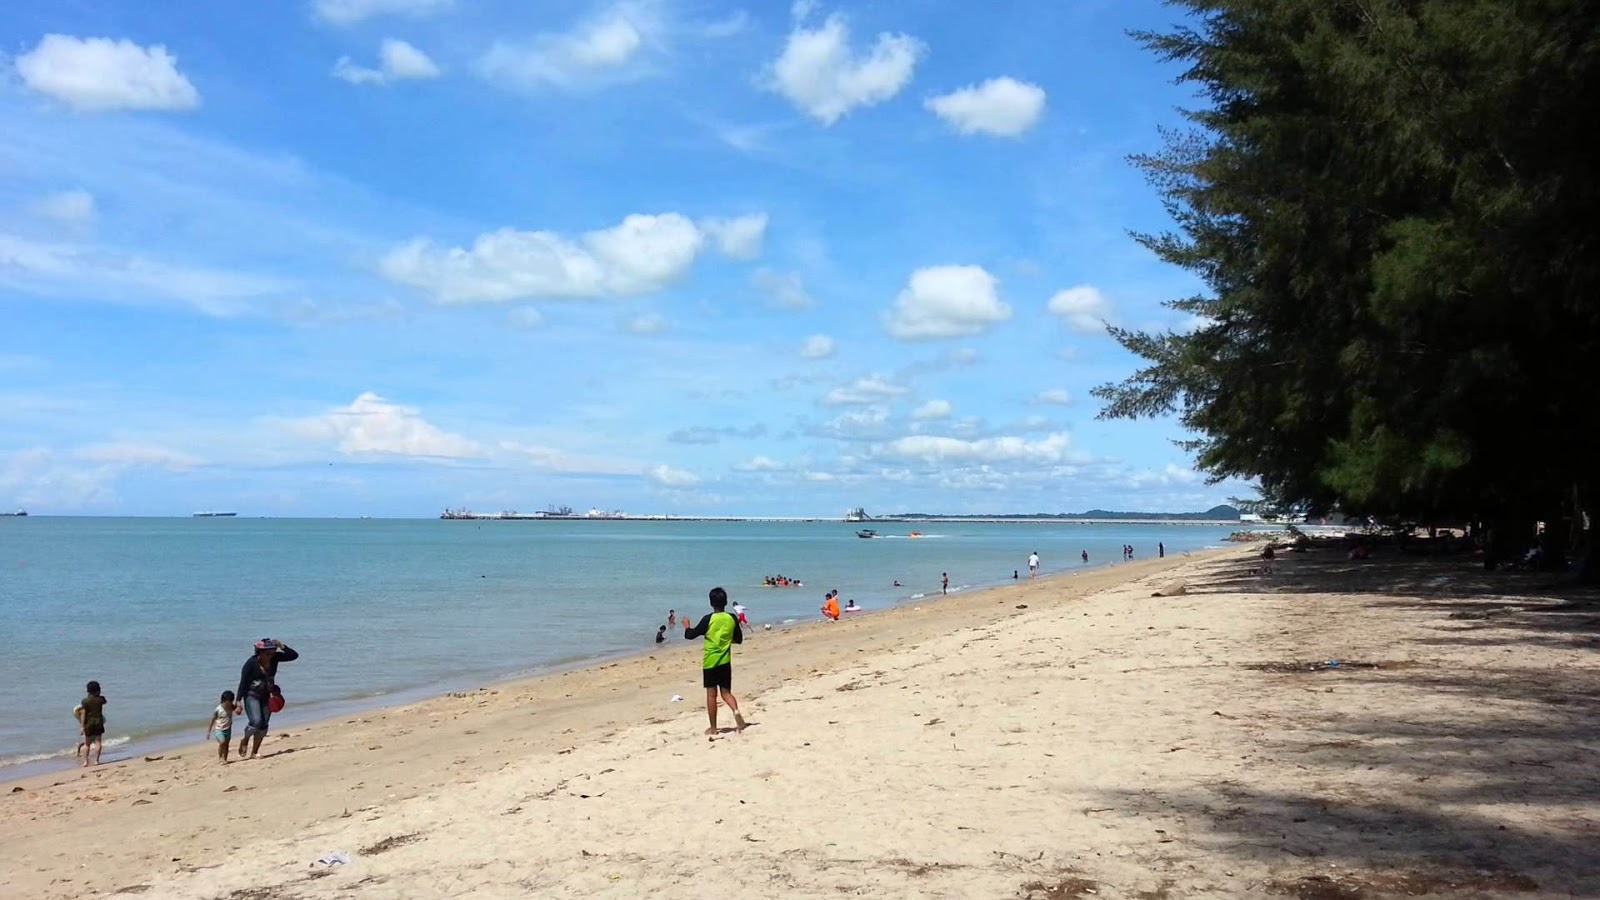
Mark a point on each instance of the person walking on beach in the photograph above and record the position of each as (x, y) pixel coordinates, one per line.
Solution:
(944, 583)
(721, 631)
(1161, 550)
(739, 610)
(92, 722)
(256, 680)
(220, 728)
(1033, 563)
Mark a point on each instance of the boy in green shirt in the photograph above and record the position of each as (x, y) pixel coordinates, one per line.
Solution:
(721, 631)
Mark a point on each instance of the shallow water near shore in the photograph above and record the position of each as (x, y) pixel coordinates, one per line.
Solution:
(162, 611)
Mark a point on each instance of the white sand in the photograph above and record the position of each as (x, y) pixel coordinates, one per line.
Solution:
(1112, 744)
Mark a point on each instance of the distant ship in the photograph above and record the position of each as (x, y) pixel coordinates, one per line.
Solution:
(856, 515)
(215, 515)
(16, 515)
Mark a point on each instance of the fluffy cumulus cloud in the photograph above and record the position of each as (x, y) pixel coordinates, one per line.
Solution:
(1083, 309)
(1051, 449)
(598, 50)
(947, 301)
(1053, 397)
(863, 391)
(933, 409)
(98, 74)
(739, 238)
(817, 346)
(783, 290)
(349, 12)
(821, 74)
(1004, 107)
(643, 254)
(397, 61)
(371, 426)
(667, 476)
(75, 207)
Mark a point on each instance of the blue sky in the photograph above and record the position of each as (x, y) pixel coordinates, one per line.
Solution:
(377, 257)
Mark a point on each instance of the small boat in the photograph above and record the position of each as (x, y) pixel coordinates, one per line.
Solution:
(915, 534)
(866, 533)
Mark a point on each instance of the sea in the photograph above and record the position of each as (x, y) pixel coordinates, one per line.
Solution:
(163, 612)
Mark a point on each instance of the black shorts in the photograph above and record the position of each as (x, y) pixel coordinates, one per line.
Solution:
(719, 676)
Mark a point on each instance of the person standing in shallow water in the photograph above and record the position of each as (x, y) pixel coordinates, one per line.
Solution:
(256, 680)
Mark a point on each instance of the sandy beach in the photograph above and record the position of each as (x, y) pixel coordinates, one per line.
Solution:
(1072, 736)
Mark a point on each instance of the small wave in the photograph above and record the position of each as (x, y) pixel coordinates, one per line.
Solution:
(918, 596)
(26, 758)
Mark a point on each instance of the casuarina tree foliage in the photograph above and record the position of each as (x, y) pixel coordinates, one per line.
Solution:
(1393, 208)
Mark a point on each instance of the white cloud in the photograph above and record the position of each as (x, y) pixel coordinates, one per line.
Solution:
(759, 464)
(82, 477)
(1053, 397)
(124, 454)
(397, 61)
(933, 409)
(821, 74)
(645, 253)
(373, 426)
(1083, 308)
(818, 476)
(1050, 449)
(667, 476)
(802, 9)
(870, 423)
(647, 323)
(76, 207)
(784, 290)
(947, 301)
(817, 346)
(115, 276)
(349, 12)
(1004, 107)
(600, 49)
(552, 460)
(1171, 475)
(739, 237)
(98, 74)
(525, 318)
(863, 391)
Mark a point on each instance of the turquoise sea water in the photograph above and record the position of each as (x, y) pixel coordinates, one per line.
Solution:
(162, 612)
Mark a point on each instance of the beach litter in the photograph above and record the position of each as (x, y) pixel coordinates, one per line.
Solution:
(677, 698)
(335, 858)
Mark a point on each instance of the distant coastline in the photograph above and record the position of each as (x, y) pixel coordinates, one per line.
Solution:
(1217, 515)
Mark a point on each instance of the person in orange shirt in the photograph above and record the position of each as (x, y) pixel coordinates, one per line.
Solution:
(830, 606)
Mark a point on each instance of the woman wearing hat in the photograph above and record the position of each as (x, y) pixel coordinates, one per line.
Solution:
(256, 681)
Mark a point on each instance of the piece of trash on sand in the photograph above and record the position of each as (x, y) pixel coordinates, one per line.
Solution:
(336, 858)
(677, 698)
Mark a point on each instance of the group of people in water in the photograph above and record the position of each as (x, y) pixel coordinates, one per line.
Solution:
(779, 581)
(258, 696)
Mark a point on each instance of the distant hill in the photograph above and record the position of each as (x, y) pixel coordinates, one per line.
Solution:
(1221, 513)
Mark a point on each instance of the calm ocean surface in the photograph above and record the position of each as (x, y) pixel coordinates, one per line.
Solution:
(162, 612)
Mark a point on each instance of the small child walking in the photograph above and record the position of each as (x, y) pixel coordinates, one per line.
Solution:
(91, 712)
(220, 728)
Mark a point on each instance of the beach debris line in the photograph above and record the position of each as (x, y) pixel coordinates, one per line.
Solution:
(1321, 665)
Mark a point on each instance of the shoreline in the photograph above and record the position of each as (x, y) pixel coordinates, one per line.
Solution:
(366, 761)
(132, 747)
